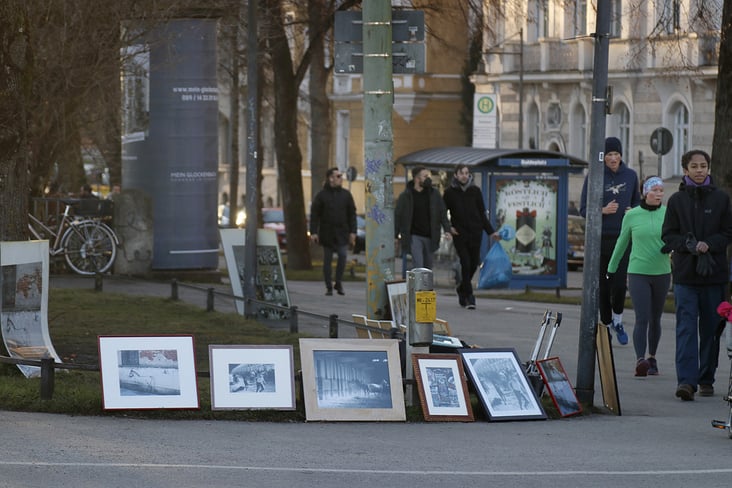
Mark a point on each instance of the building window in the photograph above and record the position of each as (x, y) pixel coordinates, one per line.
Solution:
(680, 131)
(580, 17)
(578, 131)
(668, 16)
(538, 20)
(533, 127)
(343, 129)
(624, 127)
(616, 17)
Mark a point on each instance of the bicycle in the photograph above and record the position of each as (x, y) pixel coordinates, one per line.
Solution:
(721, 424)
(88, 245)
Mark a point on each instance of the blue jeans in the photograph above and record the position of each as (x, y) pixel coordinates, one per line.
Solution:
(328, 266)
(697, 346)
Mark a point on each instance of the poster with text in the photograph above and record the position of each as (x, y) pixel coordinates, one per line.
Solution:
(528, 206)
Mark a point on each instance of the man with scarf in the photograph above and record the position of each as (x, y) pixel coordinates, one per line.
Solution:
(465, 203)
(696, 230)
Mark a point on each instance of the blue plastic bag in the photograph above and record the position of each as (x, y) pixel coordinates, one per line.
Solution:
(495, 271)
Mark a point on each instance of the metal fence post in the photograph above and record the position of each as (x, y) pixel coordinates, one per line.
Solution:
(210, 300)
(293, 320)
(47, 378)
(333, 326)
(174, 289)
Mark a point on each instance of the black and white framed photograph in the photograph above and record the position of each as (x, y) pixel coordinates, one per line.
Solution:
(501, 384)
(148, 372)
(251, 377)
(443, 390)
(559, 388)
(352, 379)
(398, 304)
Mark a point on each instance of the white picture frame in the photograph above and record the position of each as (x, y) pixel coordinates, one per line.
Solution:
(148, 372)
(250, 377)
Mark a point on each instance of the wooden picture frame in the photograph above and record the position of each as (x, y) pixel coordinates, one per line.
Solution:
(148, 372)
(398, 301)
(501, 384)
(249, 377)
(559, 387)
(352, 380)
(606, 366)
(443, 389)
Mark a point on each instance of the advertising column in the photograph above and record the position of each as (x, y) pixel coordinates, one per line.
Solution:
(170, 150)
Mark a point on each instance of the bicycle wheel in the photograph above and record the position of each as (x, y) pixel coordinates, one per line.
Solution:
(89, 247)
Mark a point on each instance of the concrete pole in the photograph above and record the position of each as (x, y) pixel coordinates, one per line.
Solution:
(252, 194)
(590, 282)
(378, 98)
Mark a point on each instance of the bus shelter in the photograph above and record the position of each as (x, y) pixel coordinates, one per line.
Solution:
(526, 194)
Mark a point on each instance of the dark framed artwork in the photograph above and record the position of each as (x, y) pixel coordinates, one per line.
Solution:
(501, 384)
(443, 390)
(559, 388)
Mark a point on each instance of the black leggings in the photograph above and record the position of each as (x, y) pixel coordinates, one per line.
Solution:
(612, 295)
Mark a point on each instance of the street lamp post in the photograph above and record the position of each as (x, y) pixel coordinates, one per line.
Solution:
(520, 54)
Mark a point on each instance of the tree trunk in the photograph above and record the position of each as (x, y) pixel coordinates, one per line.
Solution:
(722, 144)
(320, 122)
(289, 157)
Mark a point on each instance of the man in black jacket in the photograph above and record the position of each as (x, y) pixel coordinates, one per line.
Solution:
(465, 203)
(696, 230)
(333, 226)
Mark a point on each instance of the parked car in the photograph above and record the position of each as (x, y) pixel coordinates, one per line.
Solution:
(241, 217)
(274, 218)
(575, 242)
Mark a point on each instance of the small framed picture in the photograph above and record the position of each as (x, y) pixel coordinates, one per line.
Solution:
(559, 387)
(398, 304)
(251, 377)
(443, 390)
(352, 379)
(501, 384)
(146, 372)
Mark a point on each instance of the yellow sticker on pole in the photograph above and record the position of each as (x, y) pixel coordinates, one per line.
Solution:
(425, 309)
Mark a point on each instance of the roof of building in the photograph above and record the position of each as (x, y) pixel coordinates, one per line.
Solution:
(451, 156)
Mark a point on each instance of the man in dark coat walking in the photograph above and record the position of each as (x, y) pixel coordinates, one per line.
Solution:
(465, 202)
(333, 226)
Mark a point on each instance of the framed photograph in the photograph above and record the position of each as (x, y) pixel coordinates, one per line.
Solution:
(251, 377)
(352, 379)
(146, 372)
(443, 390)
(559, 387)
(398, 304)
(606, 366)
(501, 384)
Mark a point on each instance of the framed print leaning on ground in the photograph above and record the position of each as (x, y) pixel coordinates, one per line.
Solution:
(146, 372)
(251, 377)
(398, 304)
(352, 379)
(442, 388)
(559, 387)
(501, 384)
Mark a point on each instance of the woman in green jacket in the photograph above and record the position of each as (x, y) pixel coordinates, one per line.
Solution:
(649, 271)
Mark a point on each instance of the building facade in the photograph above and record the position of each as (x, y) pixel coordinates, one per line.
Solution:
(538, 64)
